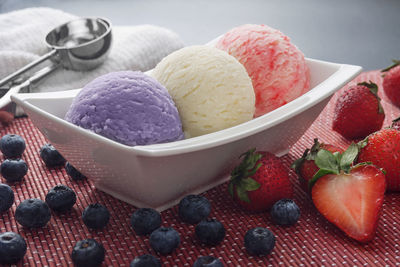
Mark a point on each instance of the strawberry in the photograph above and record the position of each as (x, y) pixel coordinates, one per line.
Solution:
(396, 124)
(382, 148)
(259, 181)
(350, 197)
(5, 118)
(391, 82)
(305, 166)
(358, 111)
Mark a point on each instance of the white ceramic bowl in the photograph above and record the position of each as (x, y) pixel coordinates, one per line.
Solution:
(159, 175)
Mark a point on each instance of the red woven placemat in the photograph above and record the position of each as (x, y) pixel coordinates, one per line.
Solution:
(312, 241)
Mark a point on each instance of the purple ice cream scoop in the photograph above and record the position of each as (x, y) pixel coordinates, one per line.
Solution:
(128, 107)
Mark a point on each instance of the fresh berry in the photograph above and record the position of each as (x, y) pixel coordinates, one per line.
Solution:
(74, 173)
(12, 248)
(33, 213)
(164, 240)
(207, 261)
(96, 216)
(12, 145)
(358, 111)
(145, 220)
(259, 181)
(146, 260)
(305, 166)
(382, 148)
(13, 170)
(285, 212)
(6, 118)
(50, 156)
(61, 198)
(210, 232)
(391, 82)
(259, 241)
(88, 253)
(6, 197)
(349, 196)
(194, 208)
(396, 124)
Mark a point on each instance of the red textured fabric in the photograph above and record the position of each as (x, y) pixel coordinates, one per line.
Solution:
(312, 241)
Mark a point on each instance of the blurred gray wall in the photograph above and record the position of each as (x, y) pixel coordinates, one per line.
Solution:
(361, 32)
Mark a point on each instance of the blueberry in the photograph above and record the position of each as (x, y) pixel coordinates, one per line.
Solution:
(61, 198)
(146, 260)
(207, 261)
(285, 212)
(12, 248)
(96, 216)
(74, 173)
(194, 208)
(259, 241)
(6, 197)
(210, 232)
(12, 145)
(50, 156)
(13, 170)
(164, 240)
(33, 213)
(146, 220)
(88, 253)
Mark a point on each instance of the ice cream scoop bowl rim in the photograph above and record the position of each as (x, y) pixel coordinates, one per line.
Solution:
(104, 21)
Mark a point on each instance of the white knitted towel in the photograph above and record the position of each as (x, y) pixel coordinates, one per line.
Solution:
(22, 36)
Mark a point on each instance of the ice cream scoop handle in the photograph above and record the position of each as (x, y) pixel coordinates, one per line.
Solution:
(25, 86)
(24, 69)
(38, 76)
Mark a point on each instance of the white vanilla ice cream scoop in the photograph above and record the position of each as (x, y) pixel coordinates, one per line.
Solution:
(210, 88)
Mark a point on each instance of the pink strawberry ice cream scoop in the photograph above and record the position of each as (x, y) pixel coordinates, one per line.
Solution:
(128, 107)
(276, 67)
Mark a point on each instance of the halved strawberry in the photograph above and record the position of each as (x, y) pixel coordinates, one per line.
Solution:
(349, 196)
(305, 166)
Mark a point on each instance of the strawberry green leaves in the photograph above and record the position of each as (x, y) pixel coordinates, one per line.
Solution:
(373, 88)
(241, 175)
(309, 154)
(327, 163)
(325, 160)
(348, 157)
(248, 165)
(334, 163)
(244, 185)
(363, 143)
(395, 63)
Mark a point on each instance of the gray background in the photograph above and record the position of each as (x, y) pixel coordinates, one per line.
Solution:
(361, 32)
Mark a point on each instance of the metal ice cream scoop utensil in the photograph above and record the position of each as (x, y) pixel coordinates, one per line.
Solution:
(81, 44)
